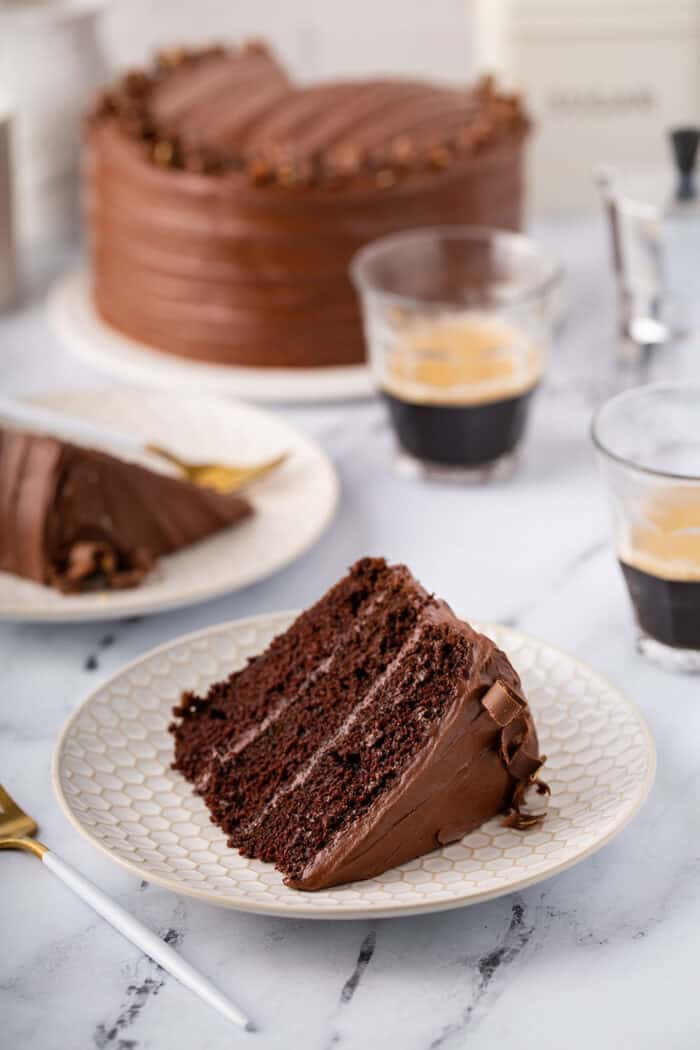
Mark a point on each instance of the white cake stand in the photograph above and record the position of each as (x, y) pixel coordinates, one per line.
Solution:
(73, 316)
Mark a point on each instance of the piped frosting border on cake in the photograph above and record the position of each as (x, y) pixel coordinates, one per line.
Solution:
(489, 116)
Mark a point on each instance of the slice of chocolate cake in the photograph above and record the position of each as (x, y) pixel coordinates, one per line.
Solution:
(79, 519)
(377, 728)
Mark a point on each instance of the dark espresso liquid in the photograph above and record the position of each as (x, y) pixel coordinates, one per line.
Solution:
(459, 435)
(667, 610)
(458, 388)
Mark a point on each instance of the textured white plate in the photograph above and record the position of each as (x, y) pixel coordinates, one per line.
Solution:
(74, 318)
(293, 506)
(112, 776)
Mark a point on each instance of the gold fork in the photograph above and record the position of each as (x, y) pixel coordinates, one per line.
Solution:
(16, 832)
(223, 477)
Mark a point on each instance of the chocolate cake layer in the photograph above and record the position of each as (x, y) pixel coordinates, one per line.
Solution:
(224, 202)
(237, 709)
(77, 519)
(357, 778)
(405, 730)
(246, 779)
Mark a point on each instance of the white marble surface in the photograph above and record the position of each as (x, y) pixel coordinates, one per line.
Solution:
(604, 955)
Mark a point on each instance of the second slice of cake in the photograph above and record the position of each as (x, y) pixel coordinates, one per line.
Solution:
(77, 519)
(377, 728)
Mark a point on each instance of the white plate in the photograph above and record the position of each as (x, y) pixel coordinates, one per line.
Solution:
(112, 776)
(73, 316)
(292, 506)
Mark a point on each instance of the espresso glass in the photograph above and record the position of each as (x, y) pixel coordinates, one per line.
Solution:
(458, 322)
(648, 444)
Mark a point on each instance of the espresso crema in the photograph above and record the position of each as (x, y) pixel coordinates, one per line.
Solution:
(660, 559)
(459, 389)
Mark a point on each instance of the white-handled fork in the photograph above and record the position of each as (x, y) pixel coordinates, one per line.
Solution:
(16, 832)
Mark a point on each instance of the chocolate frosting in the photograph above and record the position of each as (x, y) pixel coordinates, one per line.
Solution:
(478, 764)
(224, 203)
(76, 518)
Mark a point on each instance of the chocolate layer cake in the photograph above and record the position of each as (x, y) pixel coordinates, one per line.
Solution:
(375, 729)
(224, 202)
(78, 519)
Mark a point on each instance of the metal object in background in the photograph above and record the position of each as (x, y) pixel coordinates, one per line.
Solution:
(636, 230)
(8, 255)
(655, 229)
(684, 142)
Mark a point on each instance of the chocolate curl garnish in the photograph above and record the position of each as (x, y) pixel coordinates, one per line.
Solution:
(439, 157)
(530, 804)
(403, 152)
(485, 88)
(502, 703)
(98, 563)
(163, 153)
(255, 46)
(136, 83)
(506, 110)
(280, 164)
(530, 795)
(482, 131)
(343, 162)
(172, 57)
(260, 171)
(88, 558)
(297, 173)
(102, 107)
(518, 761)
(506, 709)
(385, 178)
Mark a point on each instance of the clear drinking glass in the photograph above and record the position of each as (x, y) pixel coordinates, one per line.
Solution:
(458, 322)
(648, 444)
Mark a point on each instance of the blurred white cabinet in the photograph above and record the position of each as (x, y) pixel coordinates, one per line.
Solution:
(605, 80)
(50, 64)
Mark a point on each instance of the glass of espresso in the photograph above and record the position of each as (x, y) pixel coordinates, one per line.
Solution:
(648, 443)
(457, 321)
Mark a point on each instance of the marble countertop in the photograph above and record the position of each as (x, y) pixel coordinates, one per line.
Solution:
(603, 955)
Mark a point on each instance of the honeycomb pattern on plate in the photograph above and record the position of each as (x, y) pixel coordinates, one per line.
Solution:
(113, 777)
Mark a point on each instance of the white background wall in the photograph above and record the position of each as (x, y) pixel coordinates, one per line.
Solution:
(583, 64)
(316, 37)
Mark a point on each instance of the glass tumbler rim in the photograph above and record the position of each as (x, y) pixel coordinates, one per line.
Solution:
(455, 232)
(625, 396)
